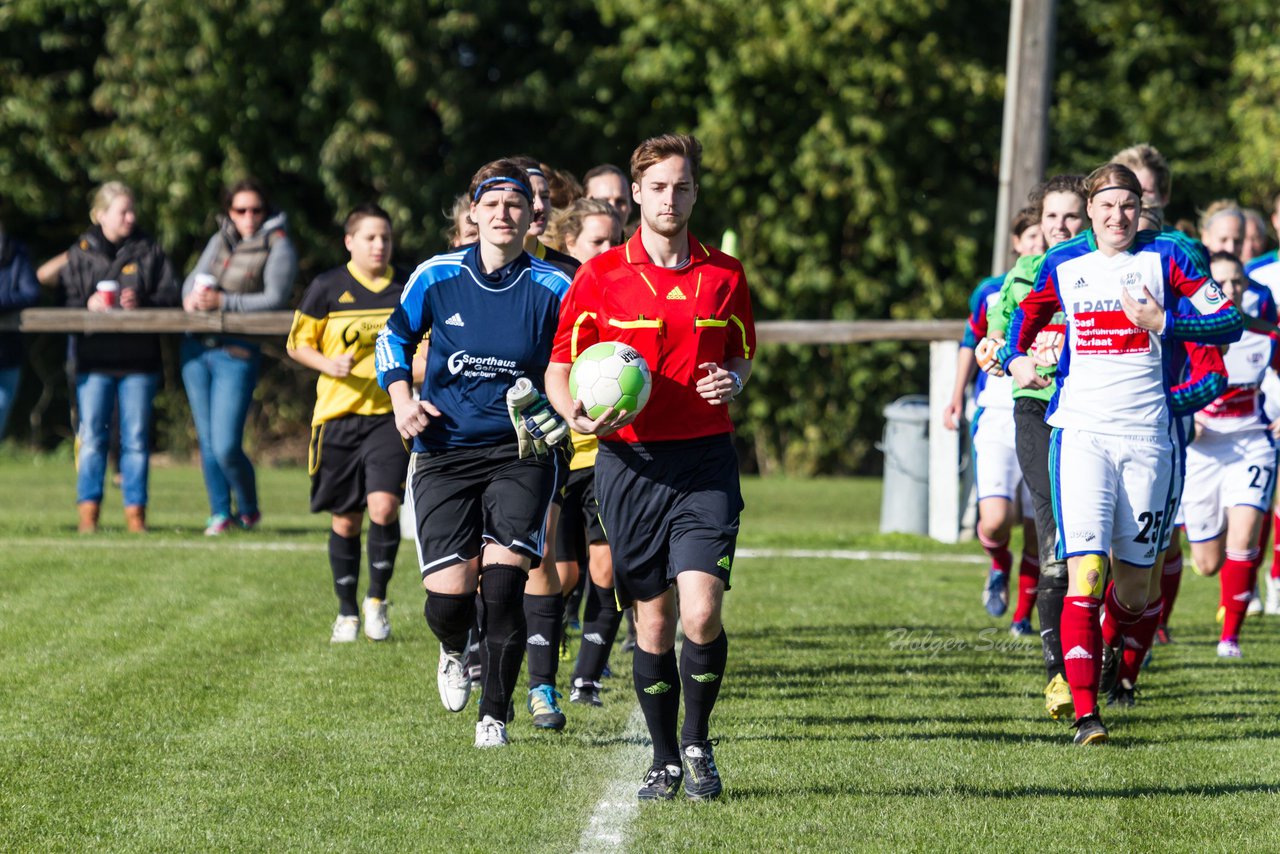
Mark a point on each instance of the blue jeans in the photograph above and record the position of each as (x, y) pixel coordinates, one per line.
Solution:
(97, 395)
(220, 388)
(8, 391)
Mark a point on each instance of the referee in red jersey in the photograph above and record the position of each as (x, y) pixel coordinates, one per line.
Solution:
(667, 479)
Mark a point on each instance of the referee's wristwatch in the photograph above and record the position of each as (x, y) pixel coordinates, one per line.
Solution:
(737, 384)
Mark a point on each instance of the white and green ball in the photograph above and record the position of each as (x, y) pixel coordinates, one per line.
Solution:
(610, 374)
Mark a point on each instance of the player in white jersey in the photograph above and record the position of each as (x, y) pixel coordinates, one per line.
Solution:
(1231, 465)
(1112, 453)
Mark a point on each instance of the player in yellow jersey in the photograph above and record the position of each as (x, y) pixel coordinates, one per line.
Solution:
(357, 460)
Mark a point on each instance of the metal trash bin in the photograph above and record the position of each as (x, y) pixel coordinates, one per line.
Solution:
(904, 504)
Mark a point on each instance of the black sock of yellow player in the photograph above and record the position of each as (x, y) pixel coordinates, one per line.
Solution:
(701, 673)
(544, 617)
(600, 621)
(502, 587)
(450, 617)
(658, 690)
(384, 543)
(344, 561)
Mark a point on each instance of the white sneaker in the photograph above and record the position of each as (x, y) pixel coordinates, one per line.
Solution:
(491, 732)
(376, 627)
(1273, 596)
(454, 683)
(345, 629)
(1229, 649)
(1255, 603)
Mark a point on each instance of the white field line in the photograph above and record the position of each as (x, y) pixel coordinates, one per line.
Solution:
(225, 544)
(607, 828)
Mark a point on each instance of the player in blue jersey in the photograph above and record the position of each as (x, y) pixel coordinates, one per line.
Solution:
(1001, 487)
(480, 492)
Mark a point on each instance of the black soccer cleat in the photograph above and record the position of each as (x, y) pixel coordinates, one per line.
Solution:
(1110, 669)
(1090, 730)
(702, 781)
(661, 782)
(585, 692)
(1122, 694)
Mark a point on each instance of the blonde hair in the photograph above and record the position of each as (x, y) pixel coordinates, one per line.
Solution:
(105, 195)
(1144, 155)
(568, 221)
(1220, 208)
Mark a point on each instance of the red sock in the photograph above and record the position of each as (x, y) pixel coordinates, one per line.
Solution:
(1082, 645)
(1028, 578)
(1273, 522)
(1116, 618)
(1170, 581)
(1137, 642)
(1001, 558)
(1239, 572)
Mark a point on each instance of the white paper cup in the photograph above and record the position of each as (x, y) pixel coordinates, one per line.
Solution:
(206, 281)
(110, 292)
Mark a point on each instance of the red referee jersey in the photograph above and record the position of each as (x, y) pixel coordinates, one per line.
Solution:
(677, 319)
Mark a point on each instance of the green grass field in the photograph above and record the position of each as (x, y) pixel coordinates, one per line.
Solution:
(177, 692)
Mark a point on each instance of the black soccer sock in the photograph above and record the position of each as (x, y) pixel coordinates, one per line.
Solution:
(600, 621)
(1050, 591)
(574, 598)
(544, 618)
(658, 690)
(701, 674)
(502, 587)
(344, 561)
(384, 544)
(450, 616)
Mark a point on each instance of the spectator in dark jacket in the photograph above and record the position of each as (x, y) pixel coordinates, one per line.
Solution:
(18, 289)
(115, 267)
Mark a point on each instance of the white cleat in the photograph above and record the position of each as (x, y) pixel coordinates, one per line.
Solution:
(1255, 603)
(376, 626)
(1273, 596)
(491, 732)
(454, 683)
(1229, 649)
(345, 629)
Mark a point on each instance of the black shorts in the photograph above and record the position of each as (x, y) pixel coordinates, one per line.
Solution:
(562, 455)
(464, 497)
(352, 456)
(579, 516)
(668, 507)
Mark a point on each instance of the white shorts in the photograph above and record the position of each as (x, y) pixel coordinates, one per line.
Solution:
(1113, 494)
(1226, 470)
(997, 473)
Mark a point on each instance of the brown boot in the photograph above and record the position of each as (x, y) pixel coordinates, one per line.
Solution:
(135, 518)
(89, 517)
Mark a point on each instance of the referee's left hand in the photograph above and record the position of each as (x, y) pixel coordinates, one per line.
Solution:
(717, 387)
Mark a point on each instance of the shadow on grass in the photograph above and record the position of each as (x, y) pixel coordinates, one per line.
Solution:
(748, 792)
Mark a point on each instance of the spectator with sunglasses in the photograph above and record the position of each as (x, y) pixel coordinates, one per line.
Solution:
(248, 265)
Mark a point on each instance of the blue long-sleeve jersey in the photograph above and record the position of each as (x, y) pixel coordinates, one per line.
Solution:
(487, 331)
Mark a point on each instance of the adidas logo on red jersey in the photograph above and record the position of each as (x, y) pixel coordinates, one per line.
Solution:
(1077, 652)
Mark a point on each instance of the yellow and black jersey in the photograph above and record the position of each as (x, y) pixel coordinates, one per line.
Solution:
(343, 312)
(584, 450)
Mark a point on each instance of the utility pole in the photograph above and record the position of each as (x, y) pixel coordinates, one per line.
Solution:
(1024, 135)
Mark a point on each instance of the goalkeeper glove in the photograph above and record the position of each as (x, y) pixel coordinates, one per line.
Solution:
(985, 354)
(537, 424)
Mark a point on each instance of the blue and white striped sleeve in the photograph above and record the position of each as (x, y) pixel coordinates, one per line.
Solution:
(399, 339)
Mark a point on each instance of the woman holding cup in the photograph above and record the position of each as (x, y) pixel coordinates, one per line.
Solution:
(114, 266)
(248, 265)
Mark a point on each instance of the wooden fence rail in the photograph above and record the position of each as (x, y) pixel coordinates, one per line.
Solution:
(172, 320)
